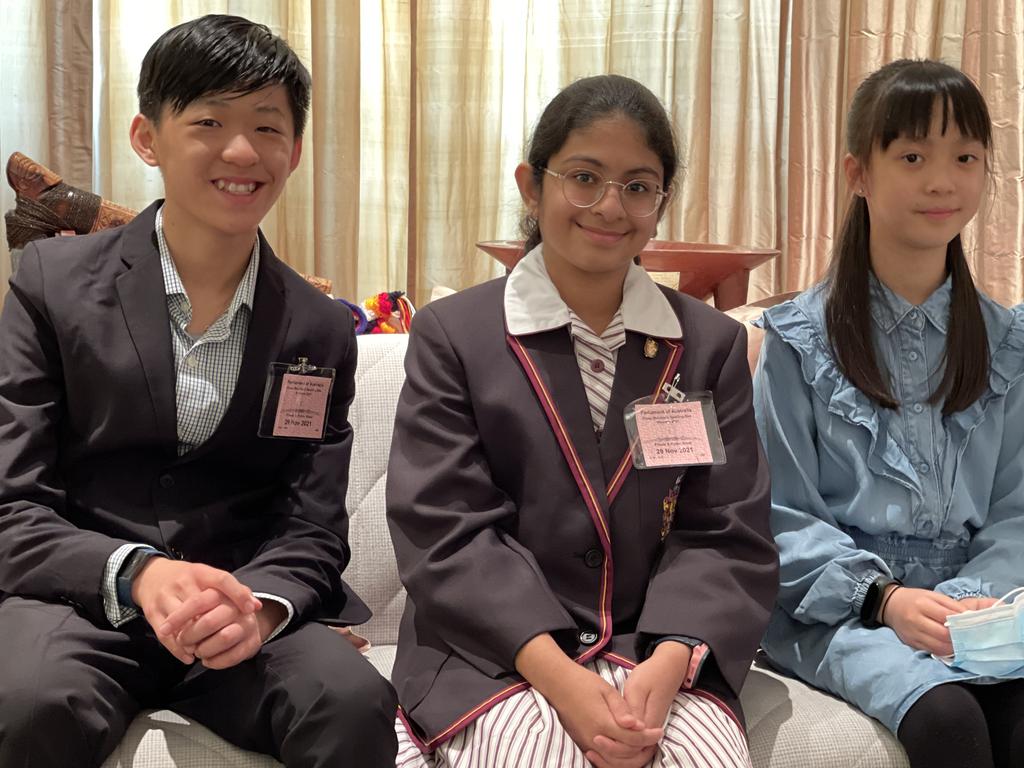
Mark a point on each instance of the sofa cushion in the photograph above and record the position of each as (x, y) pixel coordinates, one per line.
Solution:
(791, 724)
(373, 572)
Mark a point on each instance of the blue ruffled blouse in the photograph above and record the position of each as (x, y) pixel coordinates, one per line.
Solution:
(859, 490)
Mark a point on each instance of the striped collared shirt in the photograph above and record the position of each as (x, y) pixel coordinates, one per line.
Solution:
(205, 367)
(596, 355)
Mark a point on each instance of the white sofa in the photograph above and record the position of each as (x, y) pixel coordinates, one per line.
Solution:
(789, 724)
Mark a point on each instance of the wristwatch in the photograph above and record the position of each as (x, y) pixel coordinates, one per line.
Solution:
(129, 571)
(873, 601)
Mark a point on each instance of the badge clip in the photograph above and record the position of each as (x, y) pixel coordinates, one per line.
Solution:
(672, 393)
(302, 366)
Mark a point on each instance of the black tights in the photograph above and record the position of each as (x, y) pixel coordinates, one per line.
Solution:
(958, 725)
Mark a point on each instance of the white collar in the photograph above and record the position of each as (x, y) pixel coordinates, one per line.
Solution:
(532, 303)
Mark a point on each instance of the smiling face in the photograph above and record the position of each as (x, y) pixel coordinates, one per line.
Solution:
(224, 160)
(920, 193)
(603, 238)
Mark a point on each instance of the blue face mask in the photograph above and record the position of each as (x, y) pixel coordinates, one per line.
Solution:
(990, 642)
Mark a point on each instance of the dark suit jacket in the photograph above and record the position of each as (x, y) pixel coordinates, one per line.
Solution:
(510, 518)
(88, 434)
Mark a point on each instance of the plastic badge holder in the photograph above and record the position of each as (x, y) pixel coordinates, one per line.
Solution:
(296, 401)
(674, 429)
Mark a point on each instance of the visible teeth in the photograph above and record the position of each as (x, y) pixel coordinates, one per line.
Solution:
(236, 189)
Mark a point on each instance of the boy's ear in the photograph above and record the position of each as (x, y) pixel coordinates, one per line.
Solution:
(296, 155)
(528, 188)
(142, 135)
(855, 177)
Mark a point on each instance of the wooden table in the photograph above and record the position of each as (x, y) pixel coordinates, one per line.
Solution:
(704, 269)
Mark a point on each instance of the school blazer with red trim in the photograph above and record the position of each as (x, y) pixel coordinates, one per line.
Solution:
(88, 433)
(498, 506)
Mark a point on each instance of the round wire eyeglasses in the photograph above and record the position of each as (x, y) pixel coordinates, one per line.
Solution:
(585, 188)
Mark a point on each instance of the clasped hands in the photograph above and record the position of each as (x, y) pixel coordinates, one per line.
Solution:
(614, 730)
(201, 612)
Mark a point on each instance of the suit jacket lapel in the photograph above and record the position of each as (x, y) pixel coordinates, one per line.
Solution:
(555, 376)
(144, 305)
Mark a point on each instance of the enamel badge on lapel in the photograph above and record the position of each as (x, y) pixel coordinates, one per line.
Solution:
(650, 348)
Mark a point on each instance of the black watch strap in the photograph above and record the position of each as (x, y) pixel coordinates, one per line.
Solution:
(873, 601)
(129, 571)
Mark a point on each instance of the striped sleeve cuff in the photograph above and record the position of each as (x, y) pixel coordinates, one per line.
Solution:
(116, 613)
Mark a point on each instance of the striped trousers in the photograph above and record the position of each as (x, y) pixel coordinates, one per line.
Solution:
(524, 731)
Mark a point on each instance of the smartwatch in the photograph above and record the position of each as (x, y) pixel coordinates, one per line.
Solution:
(127, 575)
(873, 601)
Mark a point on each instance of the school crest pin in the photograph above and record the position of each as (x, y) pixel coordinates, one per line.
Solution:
(650, 348)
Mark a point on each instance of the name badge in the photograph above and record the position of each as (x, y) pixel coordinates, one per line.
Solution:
(674, 429)
(296, 401)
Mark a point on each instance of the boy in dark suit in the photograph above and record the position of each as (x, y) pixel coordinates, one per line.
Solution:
(167, 537)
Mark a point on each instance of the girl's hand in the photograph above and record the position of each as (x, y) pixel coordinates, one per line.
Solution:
(977, 603)
(652, 686)
(598, 719)
(917, 617)
(587, 707)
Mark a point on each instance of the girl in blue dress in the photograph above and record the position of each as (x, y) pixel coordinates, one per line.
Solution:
(890, 401)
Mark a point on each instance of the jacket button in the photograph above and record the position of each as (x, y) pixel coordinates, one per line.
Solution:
(166, 481)
(593, 558)
(588, 638)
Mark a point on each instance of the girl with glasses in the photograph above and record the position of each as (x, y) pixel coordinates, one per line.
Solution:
(565, 607)
(890, 403)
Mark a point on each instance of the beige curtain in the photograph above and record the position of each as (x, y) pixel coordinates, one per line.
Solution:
(422, 108)
(833, 47)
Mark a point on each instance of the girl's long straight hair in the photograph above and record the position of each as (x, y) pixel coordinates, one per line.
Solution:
(896, 101)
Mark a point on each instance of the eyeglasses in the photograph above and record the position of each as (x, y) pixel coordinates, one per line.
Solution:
(584, 189)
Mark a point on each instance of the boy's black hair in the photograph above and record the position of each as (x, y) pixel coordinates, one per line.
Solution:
(218, 54)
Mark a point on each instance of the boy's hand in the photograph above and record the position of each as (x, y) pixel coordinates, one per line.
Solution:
(918, 616)
(173, 592)
(652, 686)
(221, 635)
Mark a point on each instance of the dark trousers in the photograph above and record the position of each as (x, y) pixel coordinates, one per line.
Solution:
(69, 689)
